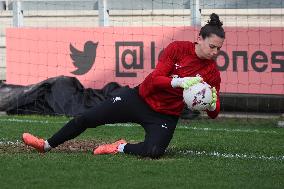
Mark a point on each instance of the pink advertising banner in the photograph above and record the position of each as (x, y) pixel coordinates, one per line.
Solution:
(250, 61)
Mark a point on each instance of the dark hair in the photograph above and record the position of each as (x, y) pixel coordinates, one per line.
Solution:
(213, 26)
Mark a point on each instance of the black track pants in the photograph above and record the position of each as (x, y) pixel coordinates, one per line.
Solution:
(125, 106)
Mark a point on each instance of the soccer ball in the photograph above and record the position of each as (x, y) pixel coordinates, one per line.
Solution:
(198, 97)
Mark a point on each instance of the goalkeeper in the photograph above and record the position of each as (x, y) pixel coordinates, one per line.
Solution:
(157, 102)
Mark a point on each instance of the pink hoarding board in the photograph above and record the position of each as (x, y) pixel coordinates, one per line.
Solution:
(251, 60)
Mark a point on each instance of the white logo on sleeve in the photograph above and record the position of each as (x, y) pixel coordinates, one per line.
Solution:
(177, 66)
(164, 126)
(115, 99)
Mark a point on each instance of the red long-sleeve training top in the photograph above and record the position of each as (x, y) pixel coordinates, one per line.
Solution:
(179, 59)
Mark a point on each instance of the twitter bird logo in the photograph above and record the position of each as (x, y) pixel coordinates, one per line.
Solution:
(83, 60)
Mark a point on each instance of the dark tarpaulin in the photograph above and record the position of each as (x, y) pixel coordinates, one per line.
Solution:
(67, 96)
(55, 96)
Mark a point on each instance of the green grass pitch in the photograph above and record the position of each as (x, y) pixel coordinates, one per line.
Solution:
(221, 153)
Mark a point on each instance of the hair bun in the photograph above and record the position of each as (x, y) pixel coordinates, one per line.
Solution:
(214, 20)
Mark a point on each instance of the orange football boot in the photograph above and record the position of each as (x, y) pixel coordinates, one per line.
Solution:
(34, 142)
(109, 148)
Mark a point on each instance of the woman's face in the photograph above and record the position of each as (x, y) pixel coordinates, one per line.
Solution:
(210, 46)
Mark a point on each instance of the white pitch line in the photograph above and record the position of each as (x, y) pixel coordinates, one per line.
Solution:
(231, 155)
(30, 121)
(228, 130)
(131, 125)
(7, 142)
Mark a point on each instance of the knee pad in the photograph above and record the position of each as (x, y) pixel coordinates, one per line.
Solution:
(155, 152)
